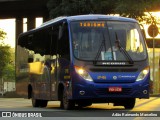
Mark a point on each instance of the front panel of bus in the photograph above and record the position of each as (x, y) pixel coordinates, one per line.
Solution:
(109, 60)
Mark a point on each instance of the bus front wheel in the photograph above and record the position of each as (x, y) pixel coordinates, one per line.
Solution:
(129, 103)
(65, 102)
(84, 104)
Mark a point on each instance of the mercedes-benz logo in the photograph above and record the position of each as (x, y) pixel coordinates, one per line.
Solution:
(115, 77)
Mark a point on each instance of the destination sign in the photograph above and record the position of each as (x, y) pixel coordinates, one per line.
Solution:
(92, 24)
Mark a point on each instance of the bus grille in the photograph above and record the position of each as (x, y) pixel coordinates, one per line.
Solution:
(113, 70)
(104, 91)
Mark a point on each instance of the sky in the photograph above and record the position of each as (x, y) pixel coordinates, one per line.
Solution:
(8, 26)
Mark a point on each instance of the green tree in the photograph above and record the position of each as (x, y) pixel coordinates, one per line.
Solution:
(128, 8)
(67, 7)
(54, 7)
(9, 72)
(77, 7)
(2, 34)
(5, 58)
(136, 8)
(103, 6)
(4, 53)
(9, 69)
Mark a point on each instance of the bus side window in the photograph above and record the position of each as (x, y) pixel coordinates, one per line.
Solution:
(63, 43)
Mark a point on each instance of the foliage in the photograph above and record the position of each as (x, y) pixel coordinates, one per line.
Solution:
(5, 55)
(77, 7)
(9, 69)
(5, 58)
(54, 7)
(128, 8)
(133, 9)
(136, 9)
(2, 34)
(68, 7)
(9, 72)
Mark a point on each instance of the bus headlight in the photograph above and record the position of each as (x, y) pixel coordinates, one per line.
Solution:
(143, 74)
(81, 72)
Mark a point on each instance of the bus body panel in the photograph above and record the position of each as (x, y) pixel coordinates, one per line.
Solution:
(102, 81)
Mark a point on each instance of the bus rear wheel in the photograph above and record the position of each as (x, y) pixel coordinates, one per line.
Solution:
(35, 102)
(66, 103)
(43, 103)
(39, 103)
(129, 103)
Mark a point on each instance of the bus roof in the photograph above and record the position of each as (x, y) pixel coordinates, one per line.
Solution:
(82, 17)
(100, 17)
(89, 17)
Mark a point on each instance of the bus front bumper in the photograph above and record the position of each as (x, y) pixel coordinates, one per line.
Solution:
(102, 91)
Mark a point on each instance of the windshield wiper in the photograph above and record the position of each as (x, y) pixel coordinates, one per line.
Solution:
(123, 50)
(103, 43)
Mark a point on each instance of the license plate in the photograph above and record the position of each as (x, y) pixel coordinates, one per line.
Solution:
(115, 89)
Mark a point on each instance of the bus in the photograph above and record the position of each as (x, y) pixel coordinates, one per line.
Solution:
(83, 59)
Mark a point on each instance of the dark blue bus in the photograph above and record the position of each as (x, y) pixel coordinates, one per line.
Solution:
(85, 59)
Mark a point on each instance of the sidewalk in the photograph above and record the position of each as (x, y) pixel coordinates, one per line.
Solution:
(11, 94)
(154, 95)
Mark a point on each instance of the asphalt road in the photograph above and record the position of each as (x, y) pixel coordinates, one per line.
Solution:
(20, 107)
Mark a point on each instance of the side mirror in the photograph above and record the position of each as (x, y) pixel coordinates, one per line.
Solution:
(143, 31)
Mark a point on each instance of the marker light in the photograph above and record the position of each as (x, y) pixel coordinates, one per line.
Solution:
(81, 72)
(143, 74)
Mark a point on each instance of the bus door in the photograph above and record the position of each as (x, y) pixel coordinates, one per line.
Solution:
(45, 87)
(53, 85)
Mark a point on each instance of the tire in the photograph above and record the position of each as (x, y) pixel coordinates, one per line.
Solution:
(38, 103)
(65, 102)
(35, 102)
(43, 103)
(84, 104)
(129, 103)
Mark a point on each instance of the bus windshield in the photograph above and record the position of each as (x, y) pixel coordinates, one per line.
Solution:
(107, 41)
